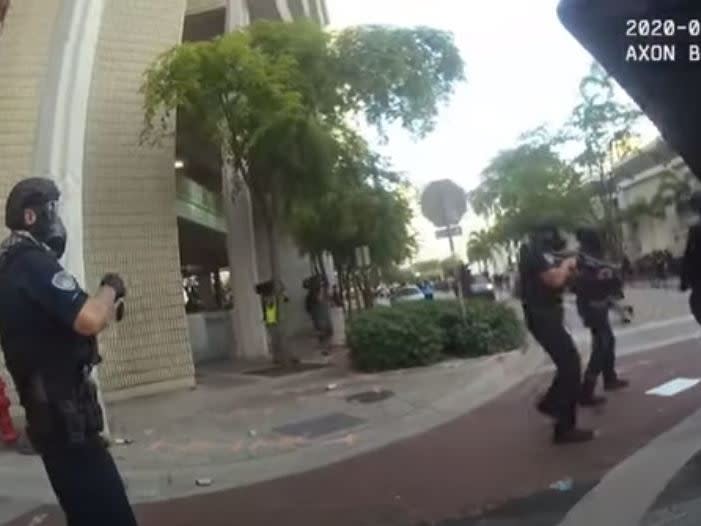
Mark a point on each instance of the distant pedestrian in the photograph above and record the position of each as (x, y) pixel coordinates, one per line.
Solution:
(691, 263)
(318, 308)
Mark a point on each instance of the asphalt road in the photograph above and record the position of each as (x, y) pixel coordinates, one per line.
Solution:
(492, 466)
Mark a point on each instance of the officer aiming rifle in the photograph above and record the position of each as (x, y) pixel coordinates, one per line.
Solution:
(597, 284)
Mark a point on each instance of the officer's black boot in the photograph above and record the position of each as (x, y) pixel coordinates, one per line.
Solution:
(547, 407)
(587, 398)
(573, 436)
(615, 383)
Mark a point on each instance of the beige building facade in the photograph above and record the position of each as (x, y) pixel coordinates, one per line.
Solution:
(641, 176)
(70, 109)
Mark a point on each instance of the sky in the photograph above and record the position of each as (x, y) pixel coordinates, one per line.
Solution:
(523, 69)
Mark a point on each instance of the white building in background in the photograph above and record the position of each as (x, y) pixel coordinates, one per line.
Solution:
(640, 177)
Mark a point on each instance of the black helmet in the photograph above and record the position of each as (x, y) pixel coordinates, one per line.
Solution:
(590, 240)
(28, 193)
(547, 234)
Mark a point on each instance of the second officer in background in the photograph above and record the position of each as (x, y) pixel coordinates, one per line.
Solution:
(595, 286)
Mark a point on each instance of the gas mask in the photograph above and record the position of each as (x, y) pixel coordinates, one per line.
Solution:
(49, 229)
(549, 239)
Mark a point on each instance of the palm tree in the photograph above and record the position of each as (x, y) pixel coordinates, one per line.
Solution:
(480, 248)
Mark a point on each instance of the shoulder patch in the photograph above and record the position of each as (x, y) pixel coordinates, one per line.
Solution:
(549, 258)
(64, 281)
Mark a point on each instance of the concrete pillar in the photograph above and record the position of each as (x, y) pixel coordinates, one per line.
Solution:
(284, 9)
(237, 15)
(250, 336)
(60, 146)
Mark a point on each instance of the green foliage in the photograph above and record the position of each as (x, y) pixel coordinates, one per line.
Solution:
(522, 186)
(481, 247)
(374, 336)
(393, 338)
(602, 127)
(275, 99)
(398, 74)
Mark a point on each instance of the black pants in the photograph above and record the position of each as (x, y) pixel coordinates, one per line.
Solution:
(88, 486)
(547, 327)
(695, 304)
(603, 350)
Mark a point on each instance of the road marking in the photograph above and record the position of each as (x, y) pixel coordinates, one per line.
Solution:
(674, 387)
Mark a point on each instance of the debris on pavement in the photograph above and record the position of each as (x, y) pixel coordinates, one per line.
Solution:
(252, 433)
(332, 387)
(563, 485)
(38, 519)
(123, 441)
(204, 482)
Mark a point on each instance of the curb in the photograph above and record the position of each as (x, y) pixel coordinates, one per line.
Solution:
(494, 375)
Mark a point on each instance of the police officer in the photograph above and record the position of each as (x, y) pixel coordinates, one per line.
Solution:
(595, 287)
(691, 263)
(48, 328)
(543, 279)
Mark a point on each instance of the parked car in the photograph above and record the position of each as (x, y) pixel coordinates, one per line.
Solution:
(408, 293)
(444, 291)
(482, 287)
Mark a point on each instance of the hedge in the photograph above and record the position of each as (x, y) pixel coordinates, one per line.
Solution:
(420, 333)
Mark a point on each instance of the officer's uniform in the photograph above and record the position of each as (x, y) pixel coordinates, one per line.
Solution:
(544, 314)
(50, 364)
(593, 303)
(691, 270)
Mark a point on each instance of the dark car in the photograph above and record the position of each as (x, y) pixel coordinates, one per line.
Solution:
(482, 287)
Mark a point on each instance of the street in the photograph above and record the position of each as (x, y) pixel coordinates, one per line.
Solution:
(494, 465)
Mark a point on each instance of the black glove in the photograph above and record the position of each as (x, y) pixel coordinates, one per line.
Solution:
(116, 283)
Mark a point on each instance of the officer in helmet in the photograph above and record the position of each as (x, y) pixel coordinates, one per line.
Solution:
(691, 263)
(48, 329)
(595, 288)
(543, 278)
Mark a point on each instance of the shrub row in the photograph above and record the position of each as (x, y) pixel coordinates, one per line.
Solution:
(421, 333)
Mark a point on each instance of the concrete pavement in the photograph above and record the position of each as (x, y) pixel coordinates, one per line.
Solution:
(234, 436)
(492, 466)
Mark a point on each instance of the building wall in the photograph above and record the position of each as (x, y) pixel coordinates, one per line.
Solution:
(648, 234)
(130, 204)
(25, 44)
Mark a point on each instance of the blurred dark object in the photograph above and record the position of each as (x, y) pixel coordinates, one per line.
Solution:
(666, 91)
(266, 288)
(4, 8)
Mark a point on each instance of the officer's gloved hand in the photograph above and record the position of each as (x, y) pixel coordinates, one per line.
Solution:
(116, 282)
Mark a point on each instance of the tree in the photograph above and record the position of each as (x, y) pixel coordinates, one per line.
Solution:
(525, 185)
(603, 127)
(480, 248)
(275, 98)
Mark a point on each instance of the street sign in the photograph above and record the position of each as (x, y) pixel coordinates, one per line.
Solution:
(444, 203)
(447, 233)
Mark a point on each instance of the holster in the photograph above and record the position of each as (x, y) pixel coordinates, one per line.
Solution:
(67, 418)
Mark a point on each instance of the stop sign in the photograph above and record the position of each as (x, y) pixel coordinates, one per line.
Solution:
(444, 203)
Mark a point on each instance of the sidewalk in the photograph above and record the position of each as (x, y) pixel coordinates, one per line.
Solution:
(491, 467)
(239, 429)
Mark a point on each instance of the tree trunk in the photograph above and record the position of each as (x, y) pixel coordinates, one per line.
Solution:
(280, 351)
(341, 287)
